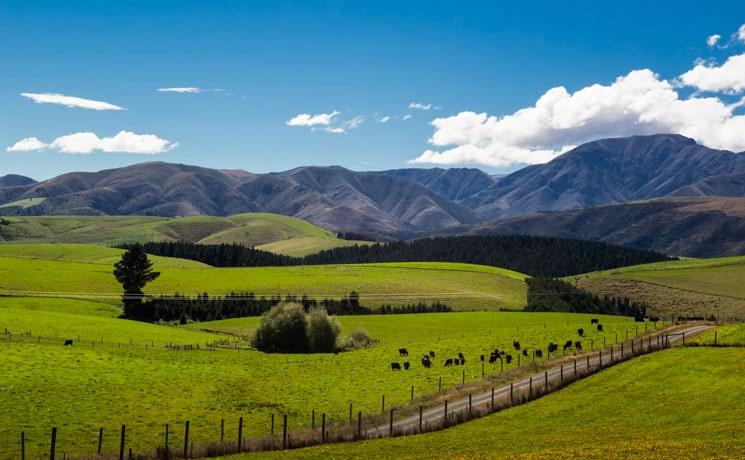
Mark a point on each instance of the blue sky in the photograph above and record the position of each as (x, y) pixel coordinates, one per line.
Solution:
(261, 64)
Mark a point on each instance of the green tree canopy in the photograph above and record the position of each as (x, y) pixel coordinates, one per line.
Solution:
(133, 272)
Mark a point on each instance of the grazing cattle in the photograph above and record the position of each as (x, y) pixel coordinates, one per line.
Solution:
(68, 342)
(539, 353)
(460, 355)
(395, 366)
(406, 365)
(426, 363)
(403, 352)
(456, 361)
(581, 332)
(431, 354)
(567, 345)
(594, 321)
(493, 358)
(508, 359)
(578, 345)
(600, 328)
(448, 362)
(552, 347)
(525, 352)
(482, 357)
(463, 361)
(516, 344)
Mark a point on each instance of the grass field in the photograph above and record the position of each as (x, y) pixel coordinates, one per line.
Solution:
(729, 334)
(696, 286)
(272, 232)
(681, 403)
(86, 271)
(146, 388)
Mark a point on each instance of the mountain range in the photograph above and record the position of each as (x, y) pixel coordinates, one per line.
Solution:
(552, 198)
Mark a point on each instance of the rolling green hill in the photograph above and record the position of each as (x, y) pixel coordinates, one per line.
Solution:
(684, 403)
(692, 286)
(85, 271)
(271, 232)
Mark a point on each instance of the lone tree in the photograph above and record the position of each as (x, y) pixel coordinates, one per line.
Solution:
(133, 272)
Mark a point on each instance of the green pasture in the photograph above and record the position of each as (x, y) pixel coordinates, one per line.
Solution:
(680, 403)
(52, 270)
(272, 232)
(92, 385)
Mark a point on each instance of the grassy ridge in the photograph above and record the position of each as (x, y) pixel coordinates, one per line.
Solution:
(23, 270)
(272, 232)
(690, 401)
(147, 388)
(704, 286)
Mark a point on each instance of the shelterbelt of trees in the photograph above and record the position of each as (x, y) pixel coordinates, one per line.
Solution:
(533, 255)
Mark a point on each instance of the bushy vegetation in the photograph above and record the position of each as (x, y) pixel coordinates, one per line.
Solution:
(534, 255)
(133, 272)
(548, 294)
(287, 329)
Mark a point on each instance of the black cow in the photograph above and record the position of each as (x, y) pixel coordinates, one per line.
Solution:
(539, 353)
(525, 352)
(578, 345)
(406, 365)
(448, 362)
(431, 354)
(600, 328)
(594, 321)
(460, 355)
(68, 342)
(463, 361)
(552, 347)
(581, 332)
(403, 352)
(493, 358)
(426, 362)
(456, 361)
(516, 344)
(508, 359)
(395, 366)
(482, 357)
(567, 345)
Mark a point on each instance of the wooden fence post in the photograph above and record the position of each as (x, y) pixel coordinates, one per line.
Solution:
(412, 398)
(588, 364)
(511, 393)
(323, 427)
(350, 405)
(284, 431)
(421, 414)
(492, 398)
(715, 338)
(382, 404)
(530, 387)
(222, 430)
(240, 433)
(121, 442)
(186, 439)
(575, 368)
(439, 386)
(312, 419)
(23, 445)
(463, 379)
(390, 429)
(271, 425)
(53, 445)
(600, 354)
(100, 440)
(561, 375)
(359, 421)
(445, 420)
(545, 381)
(167, 439)
(470, 396)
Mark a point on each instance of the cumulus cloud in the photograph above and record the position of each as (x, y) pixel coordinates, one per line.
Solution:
(740, 34)
(345, 126)
(637, 103)
(421, 106)
(181, 89)
(728, 77)
(712, 40)
(306, 119)
(27, 144)
(70, 101)
(406, 117)
(86, 143)
(384, 119)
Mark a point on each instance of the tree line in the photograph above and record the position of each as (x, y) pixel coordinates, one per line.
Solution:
(203, 307)
(549, 294)
(533, 255)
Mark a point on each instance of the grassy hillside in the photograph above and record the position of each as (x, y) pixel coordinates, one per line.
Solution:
(86, 271)
(696, 286)
(146, 388)
(272, 232)
(691, 401)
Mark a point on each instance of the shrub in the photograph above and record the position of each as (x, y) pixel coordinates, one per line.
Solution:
(283, 329)
(322, 331)
(359, 338)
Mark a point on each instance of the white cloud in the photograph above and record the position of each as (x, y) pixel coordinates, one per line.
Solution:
(712, 40)
(421, 106)
(334, 130)
(123, 142)
(305, 119)
(384, 119)
(355, 122)
(342, 128)
(27, 144)
(728, 77)
(406, 117)
(637, 103)
(181, 89)
(70, 101)
(740, 34)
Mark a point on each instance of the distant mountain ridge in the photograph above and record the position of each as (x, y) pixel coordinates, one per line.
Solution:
(14, 180)
(398, 203)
